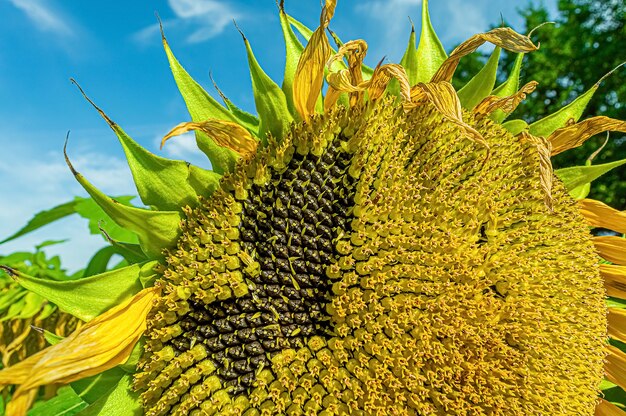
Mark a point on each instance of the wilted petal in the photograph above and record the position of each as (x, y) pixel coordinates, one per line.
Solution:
(504, 37)
(545, 164)
(573, 136)
(225, 133)
(444, 98)
(381, 78)
(102, 343)
(506, 104)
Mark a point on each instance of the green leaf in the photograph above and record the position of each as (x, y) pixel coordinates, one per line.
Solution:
(508, 87)
(481, 85)
(577, 176)
(409, 63)
(65, 403)
(43, 218)
(32, 304)
(156, 230)
(249, 121)
(99, 261)
(515, 127)
(121, 401)
(162, 183)
(50, 338)
(92, 388)
(84, 298)
(99, 220)
(430, 52)
(270, 100)
(573, 111)
(293, 50)
(201, 107)
(14, 310)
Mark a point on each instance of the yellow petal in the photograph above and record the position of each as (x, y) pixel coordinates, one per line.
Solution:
(102, 343)
(599, 214)
(614, 280)
(545, 164)
(617, 324)
(381, 77)
(444, 98)
(354, 51)
(225, 133)
(506, 104)
(21, 402)
(309, 76)
(504, 37)
(573, 136)
(615, 366)
(605, 408)
(611, 248)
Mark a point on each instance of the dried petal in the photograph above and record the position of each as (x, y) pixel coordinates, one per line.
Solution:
(504, 37)
(443, 96)
(506, 104)
(225, 133)
(573, 136)
(309, 76)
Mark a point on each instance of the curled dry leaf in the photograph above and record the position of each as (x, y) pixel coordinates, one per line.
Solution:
(225, 133)
(506, 104)
(576, 134)
(504, 37)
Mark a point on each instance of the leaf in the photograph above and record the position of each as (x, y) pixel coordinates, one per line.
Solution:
(65, 403)
(32, 305)
(270, 100)
(156, 230)
(409, 63)
(43, 218)
(50, 338)
(100, 222)
(578, 176)
(84, 298)
(515, 127)
(227, 134)
(508, 87)
(569, 114)
(99, 261)
(481, 85)
(202, 107)
(92, 388)
(293, 50)
(121, 401)
(162, 183)
(430, 52)
(247, 120)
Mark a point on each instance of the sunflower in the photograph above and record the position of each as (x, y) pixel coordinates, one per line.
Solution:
(391, 247)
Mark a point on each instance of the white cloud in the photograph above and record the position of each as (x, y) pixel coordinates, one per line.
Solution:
(43, 16)
(200, 20)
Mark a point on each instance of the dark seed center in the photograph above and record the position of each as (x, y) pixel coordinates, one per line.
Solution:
(289, 226)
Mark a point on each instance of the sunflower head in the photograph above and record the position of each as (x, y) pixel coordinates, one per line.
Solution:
(391, 247)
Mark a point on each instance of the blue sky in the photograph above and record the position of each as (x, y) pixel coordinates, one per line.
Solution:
(113, 50)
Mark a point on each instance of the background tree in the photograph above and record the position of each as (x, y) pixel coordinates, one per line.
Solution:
(587, 41)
